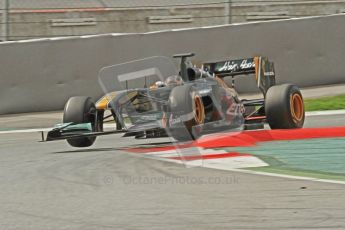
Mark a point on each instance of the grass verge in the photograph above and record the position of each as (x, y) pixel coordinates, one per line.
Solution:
(325, 103)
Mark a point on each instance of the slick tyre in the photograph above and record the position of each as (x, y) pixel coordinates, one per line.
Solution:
(80, 110)
(284, 107)
(186, 105)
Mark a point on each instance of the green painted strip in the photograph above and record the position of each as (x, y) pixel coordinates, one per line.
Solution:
(322, 158)
(297, 172)
(7, 129)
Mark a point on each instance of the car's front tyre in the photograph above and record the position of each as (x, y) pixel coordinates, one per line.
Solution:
(80, 110)
(186, 106)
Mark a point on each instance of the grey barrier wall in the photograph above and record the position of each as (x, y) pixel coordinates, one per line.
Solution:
(41, 75)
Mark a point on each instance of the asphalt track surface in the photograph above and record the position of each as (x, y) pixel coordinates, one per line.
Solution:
(53, 186)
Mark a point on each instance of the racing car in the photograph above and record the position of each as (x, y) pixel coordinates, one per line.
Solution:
(186, 105)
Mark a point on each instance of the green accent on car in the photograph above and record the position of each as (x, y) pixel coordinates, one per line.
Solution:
(69, 127)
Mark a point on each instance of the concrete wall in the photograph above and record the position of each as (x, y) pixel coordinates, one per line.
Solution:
(243, 11)
(42, 75)
(33, 18)
(26, 24)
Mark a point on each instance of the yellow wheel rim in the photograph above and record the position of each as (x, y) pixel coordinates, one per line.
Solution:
(199, 112)
(297, 107)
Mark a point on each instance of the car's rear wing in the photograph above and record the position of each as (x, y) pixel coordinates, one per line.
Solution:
(260, 66)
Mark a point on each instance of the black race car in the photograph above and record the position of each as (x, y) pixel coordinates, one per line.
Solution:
(184, 105)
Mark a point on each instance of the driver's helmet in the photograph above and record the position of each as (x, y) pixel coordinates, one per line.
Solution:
(157, 84)
(174, 80)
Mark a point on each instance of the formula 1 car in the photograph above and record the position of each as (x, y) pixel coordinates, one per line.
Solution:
(186, 105)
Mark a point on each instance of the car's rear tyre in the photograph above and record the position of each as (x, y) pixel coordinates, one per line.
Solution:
(284, 107)
(187, 105)
(80, 110)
